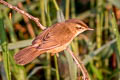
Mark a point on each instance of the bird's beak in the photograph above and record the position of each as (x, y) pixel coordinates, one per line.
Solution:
(90, 29)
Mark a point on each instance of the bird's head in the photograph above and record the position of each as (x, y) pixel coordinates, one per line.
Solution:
(79, 25)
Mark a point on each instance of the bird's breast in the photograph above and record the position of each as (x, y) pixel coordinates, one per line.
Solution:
(60, 48)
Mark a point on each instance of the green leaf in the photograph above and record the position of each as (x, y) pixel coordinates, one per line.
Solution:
(95, 71)
(5, 50)
(72, 66)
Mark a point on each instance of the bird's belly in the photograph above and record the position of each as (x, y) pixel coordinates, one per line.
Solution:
(57, 49)
(60, 48)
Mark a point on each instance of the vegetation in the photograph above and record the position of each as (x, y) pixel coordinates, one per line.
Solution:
(99, 50)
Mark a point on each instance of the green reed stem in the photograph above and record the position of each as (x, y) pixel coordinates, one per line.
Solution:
(42, 9)
(116, 31)
(117, 34)
(10, 27)
(43, 20)
(48, 14)
(55, 57)
(48, 69)
(99, 31)
(67, 10)
(106, 25)
(75, 48)
(48, 55)
(91, 21)
(73, 8)
(74, 43)
(18, 71)
(5, 50)
(99, 23)
(56, 5)
(56, 66)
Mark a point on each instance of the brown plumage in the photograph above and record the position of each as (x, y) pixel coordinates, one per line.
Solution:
(54, 39)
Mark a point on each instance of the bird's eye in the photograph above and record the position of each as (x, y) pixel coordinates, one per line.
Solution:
(78, 27)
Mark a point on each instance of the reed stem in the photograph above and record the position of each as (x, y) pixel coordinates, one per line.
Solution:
(56, 5)
(56, 66)
(43, 20)
(5, 50)
(55, 57)
(67, 9)
(17, 70)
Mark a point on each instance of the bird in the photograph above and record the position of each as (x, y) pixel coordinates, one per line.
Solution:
(52, 40)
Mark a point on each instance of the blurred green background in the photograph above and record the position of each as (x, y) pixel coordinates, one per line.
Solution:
(99, 50)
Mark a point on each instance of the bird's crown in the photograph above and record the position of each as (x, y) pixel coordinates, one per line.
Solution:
(80, 23)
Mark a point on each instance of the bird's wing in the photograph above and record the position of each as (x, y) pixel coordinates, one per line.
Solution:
(46, 40)
(43, 42)
(55, 36)
(40, 38)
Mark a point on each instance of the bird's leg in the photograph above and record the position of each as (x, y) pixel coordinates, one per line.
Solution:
(80, 65)
(52, 54)
(57, 54)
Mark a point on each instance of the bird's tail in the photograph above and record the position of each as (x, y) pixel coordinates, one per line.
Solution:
(26, 55)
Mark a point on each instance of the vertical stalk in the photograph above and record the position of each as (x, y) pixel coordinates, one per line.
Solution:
(48, 70)
(117, 36)
(56, 5)
(74, 43)
(48, 55)
(17, 70)
(10, 28)
(75, 48)
(98, 32)
(42, 9)
(56, 66)
(48, 14)
(73, 8)
(5, 51)
(67, 10)
(73, 71)
(91, 21)
(99, 23)
(106, 25)
(55, 57)
(43, 20)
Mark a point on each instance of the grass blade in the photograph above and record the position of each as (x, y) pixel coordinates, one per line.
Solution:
(72, 66)
(18, 71)
(5, 50)
(116, 32)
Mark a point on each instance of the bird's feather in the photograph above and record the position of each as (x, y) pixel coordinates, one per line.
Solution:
(56, 35)
(26, 55)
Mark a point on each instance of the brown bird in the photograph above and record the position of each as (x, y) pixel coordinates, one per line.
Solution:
(53, 40)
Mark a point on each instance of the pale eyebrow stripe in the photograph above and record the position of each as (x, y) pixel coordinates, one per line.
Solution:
(82, 24)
